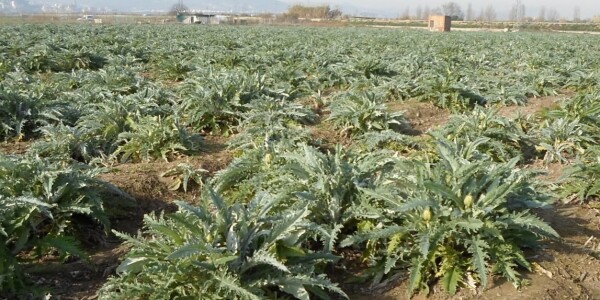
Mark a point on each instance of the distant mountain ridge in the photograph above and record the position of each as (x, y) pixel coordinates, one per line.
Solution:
(149, 6)
(216, 5)
(257, 6)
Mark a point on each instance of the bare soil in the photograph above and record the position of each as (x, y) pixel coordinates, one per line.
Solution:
(421, 116)
(324, 135)
(327, 138)
(534, 106)
(15, 147)
(79, 279)
(554, 171)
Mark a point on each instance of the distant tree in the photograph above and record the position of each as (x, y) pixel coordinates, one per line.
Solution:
(481, 16)
(490, 13)
(406, 14)
(513, 13)
(453, 10)
(552, 15)
(542, 14)
(517, 12)
(321, 11)
(577, 14)
(426, 13)
(469, 16)
(522, 13)
(177, 9)
(419, 12)
(334, 13)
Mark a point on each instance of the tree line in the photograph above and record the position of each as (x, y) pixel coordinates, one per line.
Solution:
(517, 12)
(313, 12)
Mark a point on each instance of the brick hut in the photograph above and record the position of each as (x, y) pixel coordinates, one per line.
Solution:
(440, 23)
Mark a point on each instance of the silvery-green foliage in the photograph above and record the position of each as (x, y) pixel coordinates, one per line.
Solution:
(269, 121)
(356, 113)
(27, 103)
(562, 140)
(156, 138)
(581, 181)
(183, 174)
(42, 201)
(213, 103)
(217, 251)
(505, 139)
(461, 217)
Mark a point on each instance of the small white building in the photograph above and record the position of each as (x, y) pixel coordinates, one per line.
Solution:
(200, 19)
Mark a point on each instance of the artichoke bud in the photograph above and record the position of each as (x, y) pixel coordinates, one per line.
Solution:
(468, 201)
(426, 215)
(268, 159)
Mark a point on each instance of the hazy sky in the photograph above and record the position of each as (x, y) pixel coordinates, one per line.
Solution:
(565, 8)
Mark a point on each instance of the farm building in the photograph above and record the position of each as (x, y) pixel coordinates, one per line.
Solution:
(198, 19)
(440, 23)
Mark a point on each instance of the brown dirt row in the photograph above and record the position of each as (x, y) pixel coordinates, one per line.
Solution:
(424, 116)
